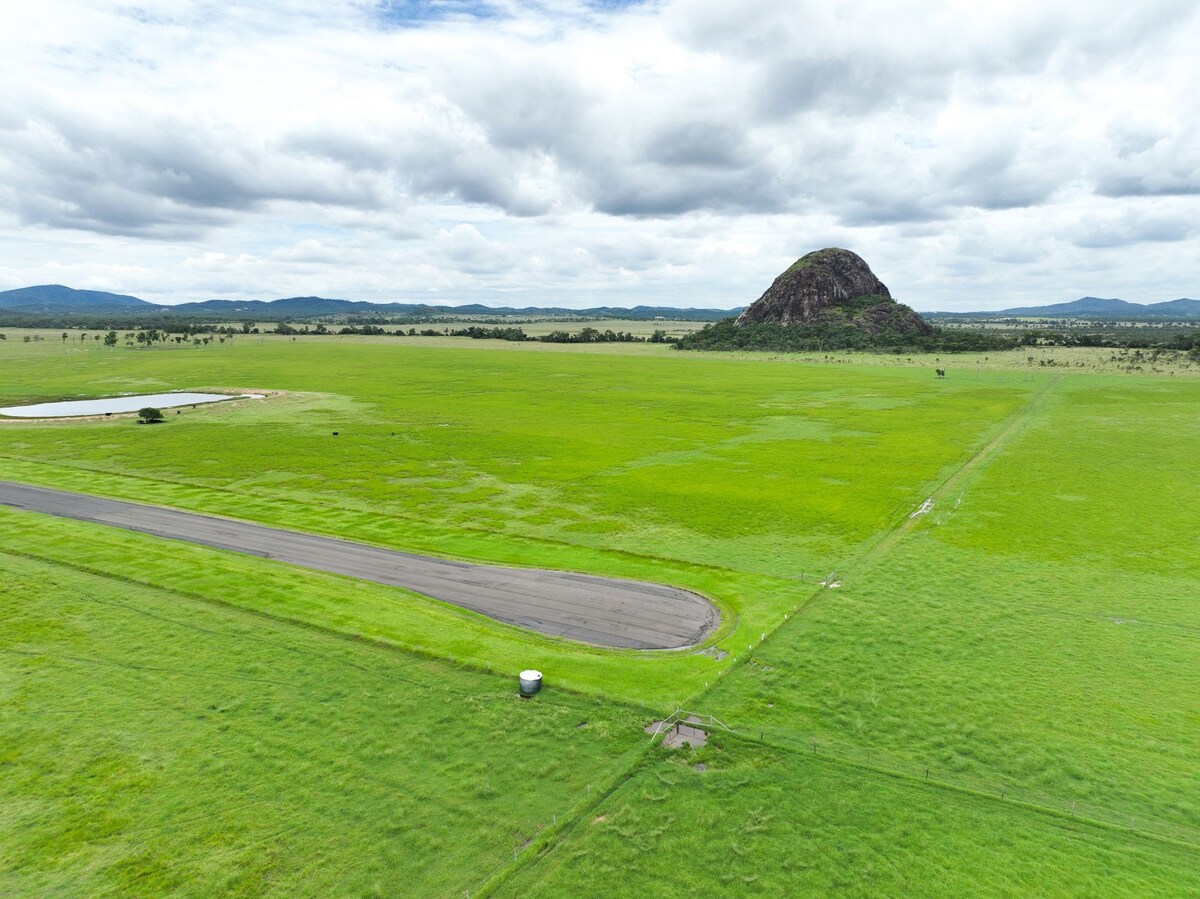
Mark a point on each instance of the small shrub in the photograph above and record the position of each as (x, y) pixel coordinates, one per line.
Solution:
(149, 415)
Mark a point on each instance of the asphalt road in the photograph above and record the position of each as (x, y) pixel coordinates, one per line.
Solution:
(602, 611)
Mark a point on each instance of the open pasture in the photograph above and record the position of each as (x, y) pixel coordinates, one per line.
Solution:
(729, 477)
(639, 327)
(740, 819)
(1000, 699)
(1029, 637)
(1035, 631)
(158, 743)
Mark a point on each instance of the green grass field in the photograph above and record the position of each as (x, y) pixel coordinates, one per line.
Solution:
(1006, 683)
(758, 821)
(604, 463)
(1036, 629)
(155, 742)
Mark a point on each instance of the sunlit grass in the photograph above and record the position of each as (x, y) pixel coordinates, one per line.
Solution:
(1031, 638)
(155, 743)
(757, 821)
(1039, 630)
(707, 473)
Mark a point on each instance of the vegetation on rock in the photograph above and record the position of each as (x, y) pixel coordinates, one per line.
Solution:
(833, 286)
(843, 334)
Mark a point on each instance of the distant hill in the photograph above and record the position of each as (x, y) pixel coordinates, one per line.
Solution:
(831, 300)
(298, 307)
(1190, 308)
(59, 298)
(832, 287)
(1082, 306)
(1097, 307)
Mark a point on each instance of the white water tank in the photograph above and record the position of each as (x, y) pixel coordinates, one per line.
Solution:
(531, 682)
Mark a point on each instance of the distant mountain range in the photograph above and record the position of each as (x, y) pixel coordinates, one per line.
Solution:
(1096, 307)
(309, 306)
(56, 299)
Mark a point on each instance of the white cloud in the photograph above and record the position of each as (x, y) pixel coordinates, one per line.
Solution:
(680, 152)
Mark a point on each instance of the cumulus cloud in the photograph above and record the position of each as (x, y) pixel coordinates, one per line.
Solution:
(680, 151)
(1150, 161)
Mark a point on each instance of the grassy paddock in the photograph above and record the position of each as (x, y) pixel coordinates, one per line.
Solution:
(1031, 636)
(760, 821)
(638, 327)
(1035, 632)
(607, 464)
(1027, 362)
(154, 744)
(362, 609)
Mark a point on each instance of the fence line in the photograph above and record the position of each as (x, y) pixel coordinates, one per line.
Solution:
(995, 786)
(545, 833)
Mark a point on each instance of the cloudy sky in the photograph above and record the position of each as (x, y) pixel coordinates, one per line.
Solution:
(580, 153)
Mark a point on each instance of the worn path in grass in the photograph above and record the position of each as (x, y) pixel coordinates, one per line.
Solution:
(1004, 434)
(529, 871)
(930, 658)
(604, 611)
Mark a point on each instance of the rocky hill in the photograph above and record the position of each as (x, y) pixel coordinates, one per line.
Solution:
(833, 287)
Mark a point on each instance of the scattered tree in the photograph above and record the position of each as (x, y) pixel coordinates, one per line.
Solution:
(150, 415)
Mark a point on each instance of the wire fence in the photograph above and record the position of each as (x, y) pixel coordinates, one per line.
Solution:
(1126, 811)
(541, 836)
(1121, 812)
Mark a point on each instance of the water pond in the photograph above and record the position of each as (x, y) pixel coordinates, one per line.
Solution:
(117, 404)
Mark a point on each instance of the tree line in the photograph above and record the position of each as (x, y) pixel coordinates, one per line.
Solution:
(518, 335)
(827, 336)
